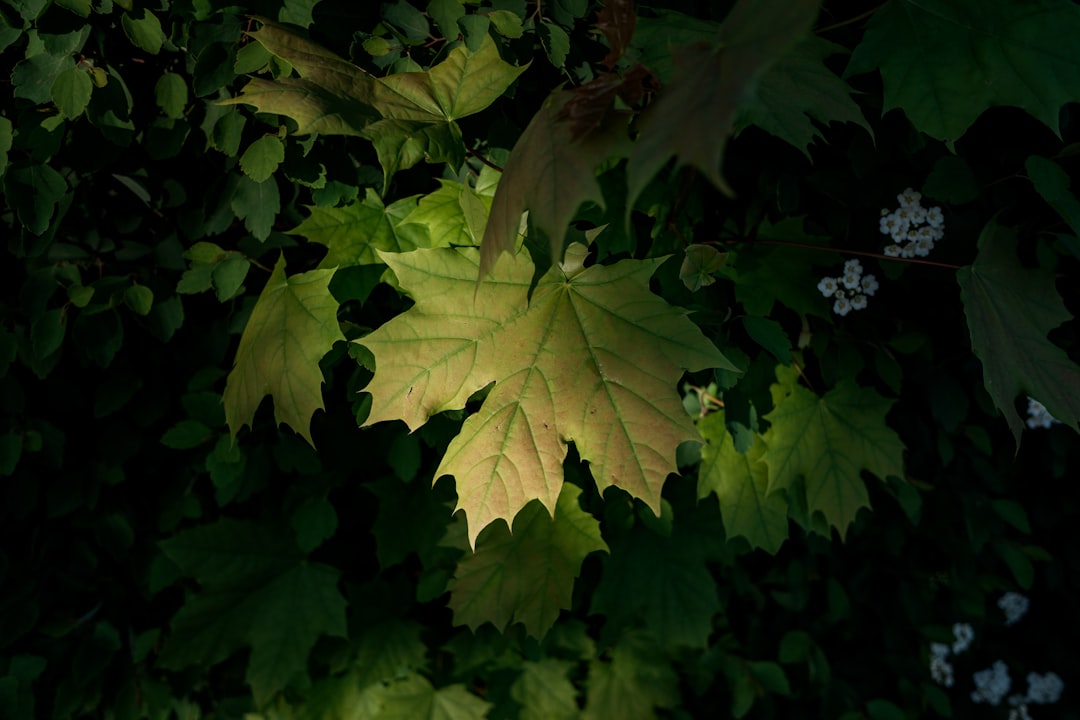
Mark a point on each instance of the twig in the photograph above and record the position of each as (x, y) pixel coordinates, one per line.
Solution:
(481, 158)
(849, 21)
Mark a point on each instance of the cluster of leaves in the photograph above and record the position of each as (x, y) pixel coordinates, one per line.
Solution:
(341, 348)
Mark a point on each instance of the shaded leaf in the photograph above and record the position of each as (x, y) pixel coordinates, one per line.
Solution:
(945, 63)
(632, 684)
(1009, 311)
(693, 117)
(1052, 183)
(616, 20)
(262, 158)
(257, 590)
(563, 365)
(414, 698)
(257, 204)
(144, 31)
(741, 484)
(293, 324)
(71, 92)
(555, 41)
(544, 691)
(171, 94)
(526, 576)
(699, 264)
(550, 175)
(829, 441)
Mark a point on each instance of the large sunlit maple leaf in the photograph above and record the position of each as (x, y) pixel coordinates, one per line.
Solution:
(827, 442)
(257, 590)
(293, 324)
(741, 483)
(409, 117)
(1010, 310)
(693, 117)
(944, 62)
(526, 576)
(593, 358)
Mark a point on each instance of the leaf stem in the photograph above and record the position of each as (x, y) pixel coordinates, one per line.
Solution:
(849, 21)
(472, 153)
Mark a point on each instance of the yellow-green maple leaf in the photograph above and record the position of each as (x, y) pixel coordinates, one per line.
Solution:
(293, 324)
(829, 441)
(593, 358)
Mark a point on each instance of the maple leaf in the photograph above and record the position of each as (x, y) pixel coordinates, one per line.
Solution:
(1009, 311)
(632, 684)
(355, 232)
(526, 576)
(592, 359)
(829, 441)
(944, 63)
(415, 698)
(550, 174)
(693, 117)
(800, 87)
(741, 483)
(293, 324)
(252, 579)
(616, 20)
(544, 691)
(408, 116)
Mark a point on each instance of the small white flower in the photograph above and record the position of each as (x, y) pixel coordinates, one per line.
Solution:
(1015, 606)
(842, 306)
(941, 671)
(939, 650)
(1020, 712)
(1044, 689)
(827, 286)
(918, 215)
(923, 246)
(934, 217)
(964, 634)
(870, 284)
(858, 302)
(912, 235)
(991, 685)
(925, 233)
(908, 250)
(892, 250)
(851, 280)
(909, 198)
(1038, 415)
(853, 266)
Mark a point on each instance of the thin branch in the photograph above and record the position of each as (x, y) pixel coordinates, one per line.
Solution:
(849, 21)
(481, 158)
(863, 253)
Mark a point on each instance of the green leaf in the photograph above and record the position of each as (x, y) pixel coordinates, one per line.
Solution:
(951, 181)
(1052, 183)
(526, 576)
(171, 95)
(562, 369)
(414, 698)
(829, 441)
(770, 335)
(79, 7)
(1010, 310)
(47, 333)
(555, 41)
(549, 174)
(71, 92)
(661, 581)
(139, 298)
(186, 434)
(946, 62)
(34, 76)
(407, 19)
(314, 521)
(507, 24)
(355, 233)
(293, 324)
(6, 138)
(228, 277)
(298, 12)
(257, 590)
(630, 686)
(544, 691)
(445, 13)
(741, 484)
(257, 204)
(33, 192)
(262, 158)
(692, 117)
(797, 88)
(698, 266)
(145, 31)
(443, 216)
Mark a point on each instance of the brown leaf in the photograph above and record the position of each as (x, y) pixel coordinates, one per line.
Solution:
(617, 21)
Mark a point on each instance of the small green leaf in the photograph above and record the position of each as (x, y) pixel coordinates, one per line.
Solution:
(228, 276)
(33, 192)
(80, 295)
(262, 158)
(71, 92)
(47, 333)
(79, 7)
(314, 521)
(769, 335)
(144, 32)
(556, 43)
(186, 434)
(171, 94)
(6, 138)
(544, 691)
(376, 46)
(698, 266)
(445, 13)
(257, 204)
(506, 23)
(204, 252)
(139, 298)
(406, 18)
(1052, 183)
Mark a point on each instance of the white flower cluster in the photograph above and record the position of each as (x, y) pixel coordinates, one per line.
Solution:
(1015, 606)
(1038, 417)
(992, 684)
(1044, 689)
(941, 669)
(912, 228)
(850, 290)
